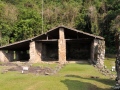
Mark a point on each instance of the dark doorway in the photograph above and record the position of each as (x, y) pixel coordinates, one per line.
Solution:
(76, 51)
(21, 55)
(50, 51)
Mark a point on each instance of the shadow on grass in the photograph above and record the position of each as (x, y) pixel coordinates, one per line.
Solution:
(104, 81)
(78, 85)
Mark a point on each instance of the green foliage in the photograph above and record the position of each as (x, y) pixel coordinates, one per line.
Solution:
(80, 20)
(12, 1)
(1, 8)
(27, 26)
(5, 31)
(22, 19)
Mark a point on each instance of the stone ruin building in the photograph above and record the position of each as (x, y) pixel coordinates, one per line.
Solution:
(61, 44)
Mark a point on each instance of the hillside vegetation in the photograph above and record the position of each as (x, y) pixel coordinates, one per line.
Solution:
(22, 19)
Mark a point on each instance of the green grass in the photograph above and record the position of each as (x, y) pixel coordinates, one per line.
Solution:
(70, 77)
(109, 62)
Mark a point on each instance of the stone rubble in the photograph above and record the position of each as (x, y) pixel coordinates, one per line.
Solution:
(105, 71)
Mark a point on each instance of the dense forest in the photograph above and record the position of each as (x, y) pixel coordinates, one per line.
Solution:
(22, 19)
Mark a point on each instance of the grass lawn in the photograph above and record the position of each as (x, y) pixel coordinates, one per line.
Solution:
(70, 77)
(109, 62)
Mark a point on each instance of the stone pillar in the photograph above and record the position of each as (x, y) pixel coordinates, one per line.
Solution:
(93, 53)
(101, 52)
(62, 46)
(3, 57)
(98, 52)
(35, 52)
(39, 52)
(6, 56)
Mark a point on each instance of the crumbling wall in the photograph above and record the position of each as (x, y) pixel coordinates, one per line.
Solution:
(6, 56)
(35, 52)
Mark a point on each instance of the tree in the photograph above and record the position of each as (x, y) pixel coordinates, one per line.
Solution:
(28, 25)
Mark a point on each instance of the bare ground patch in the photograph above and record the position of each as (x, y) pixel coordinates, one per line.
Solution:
(30, 69)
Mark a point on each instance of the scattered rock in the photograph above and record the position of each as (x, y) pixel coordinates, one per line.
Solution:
(105, 71)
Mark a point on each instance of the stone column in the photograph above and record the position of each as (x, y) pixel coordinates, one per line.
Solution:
(93, 53)
(98, 52)
(101, 52)
(62, 46)
(35, 52)
(39, 52)
(6, 56)
(3, 57)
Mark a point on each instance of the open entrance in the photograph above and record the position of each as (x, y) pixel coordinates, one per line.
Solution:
(50, 51)
(77, 50)
(18, 51)
(12, 56)
(22, 56)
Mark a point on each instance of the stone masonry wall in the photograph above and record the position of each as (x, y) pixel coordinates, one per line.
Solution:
(98, 52)
(39, 52)
(101, 52)
(35, 52)
(61, 46)
(6, 56)
(93, 53)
